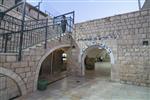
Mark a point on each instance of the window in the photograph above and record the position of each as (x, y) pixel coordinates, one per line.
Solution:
(145, 43)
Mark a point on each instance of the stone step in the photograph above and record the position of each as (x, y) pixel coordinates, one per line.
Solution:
(39, 45)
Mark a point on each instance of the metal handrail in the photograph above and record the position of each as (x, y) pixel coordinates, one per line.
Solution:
(16, 34)
(30, 38)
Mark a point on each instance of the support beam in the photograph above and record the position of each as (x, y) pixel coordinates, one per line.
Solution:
(22, 29)
(139, 4)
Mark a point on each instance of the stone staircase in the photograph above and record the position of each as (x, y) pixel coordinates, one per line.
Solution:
(27, 70)
(39, 40)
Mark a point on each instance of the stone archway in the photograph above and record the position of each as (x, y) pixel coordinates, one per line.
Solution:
(16, 78)
(41, 61)
(101, 46)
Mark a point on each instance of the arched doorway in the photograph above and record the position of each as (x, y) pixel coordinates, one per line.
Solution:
(54, 67)
(97, 60)
(11, 85)
(9, 89)
(42, 60)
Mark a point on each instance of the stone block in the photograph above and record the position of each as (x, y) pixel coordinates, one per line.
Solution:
(23, 75)
(136, 14)
(3, 95)
(26, 58)
(145, 25)
(20, 70)
(28, 74)
(27, 69)
(24, 64)
(2, 58)
(3, 82)
(25, 79)
(11, 58)
(16, 64)
(32, 52)
(141, 30)
(124, 16)
(7, 65)
(145, 12)
(130, 15)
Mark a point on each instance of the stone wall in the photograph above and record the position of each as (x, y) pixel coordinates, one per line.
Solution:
(30, 10)
(14, 13)
(25, 72)
(8, 88)
(9, 3)
(28, 68)
(122, 35)
(132, 58)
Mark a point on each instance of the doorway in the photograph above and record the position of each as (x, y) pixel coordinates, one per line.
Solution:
(54, 67)
(97, 63)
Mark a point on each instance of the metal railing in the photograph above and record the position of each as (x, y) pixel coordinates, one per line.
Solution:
(70, 20)
(9, 24)
(33, 33)
(16, 34)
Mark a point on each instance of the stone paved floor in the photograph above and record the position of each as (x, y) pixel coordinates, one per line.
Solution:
(91, 87)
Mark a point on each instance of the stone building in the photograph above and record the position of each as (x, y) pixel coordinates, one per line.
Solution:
(31, 11)
(124, 37)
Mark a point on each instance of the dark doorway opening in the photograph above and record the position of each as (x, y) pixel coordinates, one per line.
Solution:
(54, 67)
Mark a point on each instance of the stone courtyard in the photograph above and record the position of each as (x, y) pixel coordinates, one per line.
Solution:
(96, 88)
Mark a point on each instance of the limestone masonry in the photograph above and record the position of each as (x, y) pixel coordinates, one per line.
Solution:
(126, 37)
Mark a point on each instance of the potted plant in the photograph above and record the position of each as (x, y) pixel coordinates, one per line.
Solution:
(42, 84)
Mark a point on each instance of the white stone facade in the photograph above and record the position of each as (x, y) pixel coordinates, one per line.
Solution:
(25, 72)
(125, 35)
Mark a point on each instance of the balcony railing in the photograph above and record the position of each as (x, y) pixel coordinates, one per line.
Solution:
(16, 34)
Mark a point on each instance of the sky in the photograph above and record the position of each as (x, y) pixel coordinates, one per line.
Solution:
(88, 9)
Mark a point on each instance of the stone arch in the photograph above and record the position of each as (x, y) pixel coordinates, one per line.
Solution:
(85, 51)
(42, 59)
(16, 78)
